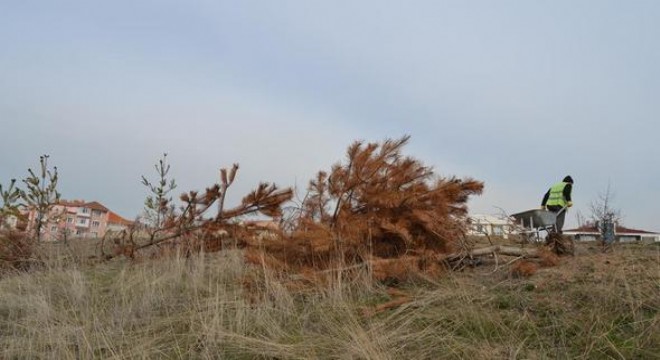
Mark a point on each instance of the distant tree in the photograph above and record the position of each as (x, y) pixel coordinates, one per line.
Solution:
(605, 216)
(158, 205)
(41, 193)
(602, 207)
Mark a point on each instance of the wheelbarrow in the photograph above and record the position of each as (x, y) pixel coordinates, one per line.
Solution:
(532, 222)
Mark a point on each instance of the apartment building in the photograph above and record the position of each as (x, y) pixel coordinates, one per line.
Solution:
(78, 218)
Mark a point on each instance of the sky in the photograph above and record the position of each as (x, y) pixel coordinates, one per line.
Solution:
(517, 94)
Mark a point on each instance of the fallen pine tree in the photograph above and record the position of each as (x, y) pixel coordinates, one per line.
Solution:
(378, 210)
(496, 249)
(377, 207)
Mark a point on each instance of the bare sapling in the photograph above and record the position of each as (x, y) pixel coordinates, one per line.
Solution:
(605, 217)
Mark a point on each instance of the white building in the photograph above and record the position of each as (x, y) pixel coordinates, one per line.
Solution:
(10, 222)
(621, 234)
(482, 225)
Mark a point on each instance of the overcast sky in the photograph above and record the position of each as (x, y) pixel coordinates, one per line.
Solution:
(517, 94)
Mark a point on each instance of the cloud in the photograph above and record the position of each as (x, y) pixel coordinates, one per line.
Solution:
(516, 94)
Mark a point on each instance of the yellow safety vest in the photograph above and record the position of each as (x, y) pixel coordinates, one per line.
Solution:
(556, 197)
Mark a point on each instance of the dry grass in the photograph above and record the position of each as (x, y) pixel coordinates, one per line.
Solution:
(592, 305)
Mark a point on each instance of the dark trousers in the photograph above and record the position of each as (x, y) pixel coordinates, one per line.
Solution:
(560, 218)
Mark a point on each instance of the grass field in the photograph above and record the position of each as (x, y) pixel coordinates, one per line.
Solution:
(592, 306)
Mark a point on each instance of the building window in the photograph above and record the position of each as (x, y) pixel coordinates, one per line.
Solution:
(627, 238)
(69, 220)
(53, 228)
(97, 213)
(497, 230)
(79, 232)
(81, 222)
(587, 237)
(96, 223)
(94, 234)
(84, 210)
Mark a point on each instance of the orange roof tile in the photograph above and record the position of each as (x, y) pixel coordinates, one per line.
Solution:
(71, 202)
(95, 205)
(116, 219)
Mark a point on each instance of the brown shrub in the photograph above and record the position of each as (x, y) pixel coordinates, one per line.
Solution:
(559, 244)
(523, 268)
(547, 257)
(16, 250)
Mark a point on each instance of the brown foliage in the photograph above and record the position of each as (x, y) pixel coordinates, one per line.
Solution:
(377, 205)
(191, 229)
(560, 245)
(523, 268)
(547, 257)
(16, 250)
(378, 208)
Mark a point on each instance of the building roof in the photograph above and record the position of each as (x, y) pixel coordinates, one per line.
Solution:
(487, 219)
(113, 218)
(592, 229)
(71, 203)
(95, 205)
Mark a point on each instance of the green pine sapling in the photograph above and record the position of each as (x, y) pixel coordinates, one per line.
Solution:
(158, 206)
(10, 205)
(41, 193)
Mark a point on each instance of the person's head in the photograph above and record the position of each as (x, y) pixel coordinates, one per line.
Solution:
(568, 179)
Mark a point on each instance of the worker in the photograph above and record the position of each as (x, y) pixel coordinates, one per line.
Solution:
(558, 197)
